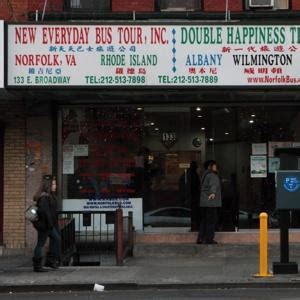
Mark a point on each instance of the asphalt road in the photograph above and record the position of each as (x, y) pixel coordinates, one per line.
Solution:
(286, 294)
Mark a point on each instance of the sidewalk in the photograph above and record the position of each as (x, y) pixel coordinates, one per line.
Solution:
(216, 269)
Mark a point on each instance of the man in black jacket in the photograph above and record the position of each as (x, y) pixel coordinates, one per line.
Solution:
(210, 202)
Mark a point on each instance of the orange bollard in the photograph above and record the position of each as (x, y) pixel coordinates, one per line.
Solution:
(263, 246)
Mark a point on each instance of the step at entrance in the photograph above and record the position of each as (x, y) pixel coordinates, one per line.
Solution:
(206, 251)
(240, 237)
(92, 259)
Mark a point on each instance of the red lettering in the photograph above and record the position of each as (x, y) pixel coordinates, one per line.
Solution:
(37, 60)
(65, 35)
(103, 35)
(25, 35)
(130, 35)
(158, 35)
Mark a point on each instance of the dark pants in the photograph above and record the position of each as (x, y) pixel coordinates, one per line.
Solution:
(54, 245)
(195, 217)
(209, 218)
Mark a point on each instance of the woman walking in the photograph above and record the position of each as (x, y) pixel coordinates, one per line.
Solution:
(47, 225)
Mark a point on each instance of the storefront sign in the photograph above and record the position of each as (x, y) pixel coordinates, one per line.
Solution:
(1, 54)
(134, 205)
(259, 149)
(153, 55)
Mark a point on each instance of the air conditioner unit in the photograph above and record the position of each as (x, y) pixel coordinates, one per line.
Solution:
(261, 3)
(178, 5)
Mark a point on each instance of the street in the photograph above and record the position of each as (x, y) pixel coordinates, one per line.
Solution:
(287, 294)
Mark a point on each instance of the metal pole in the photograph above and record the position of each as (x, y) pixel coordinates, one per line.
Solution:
(119, 237)
(284, 236)
(44, 10)
(226, 10)
(284, 266)
(263, 246)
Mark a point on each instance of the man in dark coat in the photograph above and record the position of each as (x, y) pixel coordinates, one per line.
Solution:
(210, 202)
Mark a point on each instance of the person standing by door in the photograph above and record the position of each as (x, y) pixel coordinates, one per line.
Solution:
(210, 202)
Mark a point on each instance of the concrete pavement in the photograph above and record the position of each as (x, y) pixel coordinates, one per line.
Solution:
(158, 294)
(194, 266)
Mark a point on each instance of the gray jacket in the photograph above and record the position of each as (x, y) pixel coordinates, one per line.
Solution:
(210, 184)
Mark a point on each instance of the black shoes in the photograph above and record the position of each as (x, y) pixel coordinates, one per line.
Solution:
(211, 242)
(52, 262)
(37, 265)
(199, 242)
(52, 265)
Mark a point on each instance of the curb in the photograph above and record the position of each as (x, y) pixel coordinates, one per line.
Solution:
(135, 286)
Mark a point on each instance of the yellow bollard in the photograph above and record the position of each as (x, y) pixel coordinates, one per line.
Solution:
(263, 246)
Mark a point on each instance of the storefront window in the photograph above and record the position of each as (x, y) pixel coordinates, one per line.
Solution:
(102, 152)
(131, 152)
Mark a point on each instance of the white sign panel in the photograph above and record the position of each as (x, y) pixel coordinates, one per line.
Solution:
(259, 149)
(68, 159)
(258, 166)
(134, 205)
(274, 164)
(1, 54)
(153, 55)
(81, 150)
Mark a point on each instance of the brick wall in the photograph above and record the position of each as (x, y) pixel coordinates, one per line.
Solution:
(12, 115)
(52, 5)
(296, 4)
(38, 160)
(219, 5)
(18, 9)
(15, 11)
(132, 5)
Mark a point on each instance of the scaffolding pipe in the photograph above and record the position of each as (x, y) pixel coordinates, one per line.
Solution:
(44, 10)
(226, 10)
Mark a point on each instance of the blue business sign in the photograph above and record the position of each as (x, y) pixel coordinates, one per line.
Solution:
(288, 189)
(291, 184)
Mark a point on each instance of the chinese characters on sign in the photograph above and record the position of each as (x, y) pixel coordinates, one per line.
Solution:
(153, 55)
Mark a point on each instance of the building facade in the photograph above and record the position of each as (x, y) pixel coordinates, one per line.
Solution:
(127, 137)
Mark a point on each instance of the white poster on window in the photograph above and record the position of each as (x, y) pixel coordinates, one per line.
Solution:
(259, 149)
(258, 166)
(68, 159)
(134, 205)
(274, 164)
(81, 150)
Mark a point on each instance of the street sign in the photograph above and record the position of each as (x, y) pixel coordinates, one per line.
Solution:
(288, 189)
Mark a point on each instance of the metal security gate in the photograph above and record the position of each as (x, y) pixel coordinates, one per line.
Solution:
(89, 238)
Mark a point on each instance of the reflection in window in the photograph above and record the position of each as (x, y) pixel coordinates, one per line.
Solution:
(145, 152)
